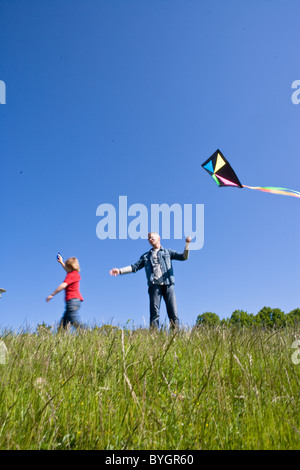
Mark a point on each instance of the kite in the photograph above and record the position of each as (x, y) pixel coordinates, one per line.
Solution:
(222, 173)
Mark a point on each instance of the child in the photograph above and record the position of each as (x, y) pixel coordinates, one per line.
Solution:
(72, 293)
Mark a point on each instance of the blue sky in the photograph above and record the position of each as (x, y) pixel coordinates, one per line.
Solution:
(130, 97)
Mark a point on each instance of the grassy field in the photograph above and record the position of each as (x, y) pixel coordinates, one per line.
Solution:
(108, 388)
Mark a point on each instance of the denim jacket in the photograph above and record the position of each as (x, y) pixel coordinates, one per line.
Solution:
(165, 257)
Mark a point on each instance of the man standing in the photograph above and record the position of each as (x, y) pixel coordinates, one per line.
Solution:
(159, 271)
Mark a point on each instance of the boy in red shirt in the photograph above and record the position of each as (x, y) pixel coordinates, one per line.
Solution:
(72, 293)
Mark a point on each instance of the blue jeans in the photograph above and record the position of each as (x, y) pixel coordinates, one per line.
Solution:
(71, 314)
(156, 292)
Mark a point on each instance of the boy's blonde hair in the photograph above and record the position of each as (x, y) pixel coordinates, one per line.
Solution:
(72, 264)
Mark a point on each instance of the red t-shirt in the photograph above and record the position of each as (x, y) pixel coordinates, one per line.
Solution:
(72, 289)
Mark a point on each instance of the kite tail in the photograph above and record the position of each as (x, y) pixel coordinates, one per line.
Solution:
(282, 191)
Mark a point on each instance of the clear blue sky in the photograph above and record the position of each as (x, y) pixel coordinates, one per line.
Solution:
(129, 97)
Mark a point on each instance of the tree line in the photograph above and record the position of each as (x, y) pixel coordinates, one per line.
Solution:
(266, 317)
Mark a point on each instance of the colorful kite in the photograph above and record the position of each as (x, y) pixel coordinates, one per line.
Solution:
(222, 173)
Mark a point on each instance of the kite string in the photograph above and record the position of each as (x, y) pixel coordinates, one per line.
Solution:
(272, 190)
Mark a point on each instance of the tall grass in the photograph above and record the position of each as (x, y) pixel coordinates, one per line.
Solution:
(108, 388)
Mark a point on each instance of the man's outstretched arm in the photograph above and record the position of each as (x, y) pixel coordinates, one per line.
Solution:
(118, 271)
(187, 247)
(182, 256)
(128, 269)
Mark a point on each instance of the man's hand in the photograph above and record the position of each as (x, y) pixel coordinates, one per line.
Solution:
(188, 240)
(49, 298)
(114, 272)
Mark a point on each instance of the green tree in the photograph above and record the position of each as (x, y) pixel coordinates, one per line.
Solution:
(208, 318)
(241, 318)
(293, 317)
(270, 317)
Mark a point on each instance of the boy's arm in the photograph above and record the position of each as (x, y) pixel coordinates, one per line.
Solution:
(61, 287)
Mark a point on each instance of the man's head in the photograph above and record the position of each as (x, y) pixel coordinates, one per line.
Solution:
(154, 240)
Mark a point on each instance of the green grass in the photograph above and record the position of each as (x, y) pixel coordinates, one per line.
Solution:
(106, 388)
